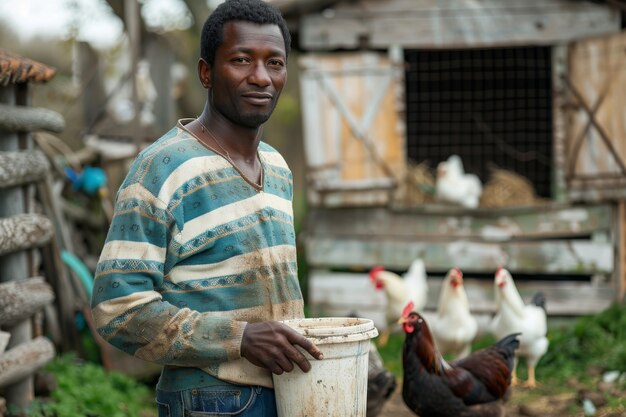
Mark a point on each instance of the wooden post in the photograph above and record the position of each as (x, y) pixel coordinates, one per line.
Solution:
(559, 121)
(131, 16)
(161, 56)
(621, 251)
(4, 340)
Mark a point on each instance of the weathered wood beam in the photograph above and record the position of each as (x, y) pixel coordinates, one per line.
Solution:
(68, 291)
(447, 223)
(576, 256)
(458, 24)
(30, 119)
(4, 341)
(24, 359)
(24, 231)
(21, 167)
(52, 327)
(19, 299)
(80, 214)
(560, 125)
(334, 293)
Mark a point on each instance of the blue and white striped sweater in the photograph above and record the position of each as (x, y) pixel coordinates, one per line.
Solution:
(193, 253)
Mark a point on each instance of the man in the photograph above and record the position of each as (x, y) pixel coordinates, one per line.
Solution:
(200, 259)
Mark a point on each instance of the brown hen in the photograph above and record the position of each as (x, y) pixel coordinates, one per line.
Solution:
(475, 386)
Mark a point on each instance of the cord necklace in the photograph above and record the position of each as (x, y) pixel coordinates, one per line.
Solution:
(258, 186)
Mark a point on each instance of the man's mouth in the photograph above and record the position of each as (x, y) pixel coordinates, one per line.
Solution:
(258, 99)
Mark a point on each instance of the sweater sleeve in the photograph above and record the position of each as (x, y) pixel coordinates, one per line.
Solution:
(127, 307)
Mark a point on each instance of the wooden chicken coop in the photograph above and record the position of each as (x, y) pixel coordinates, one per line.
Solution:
(533, 89)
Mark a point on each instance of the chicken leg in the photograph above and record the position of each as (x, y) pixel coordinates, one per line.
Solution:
(531, 382)
(514, 380)
(384, 337)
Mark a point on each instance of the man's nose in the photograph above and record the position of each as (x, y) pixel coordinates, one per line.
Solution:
(260, 76)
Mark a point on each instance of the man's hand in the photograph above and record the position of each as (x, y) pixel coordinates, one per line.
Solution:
(271, 345)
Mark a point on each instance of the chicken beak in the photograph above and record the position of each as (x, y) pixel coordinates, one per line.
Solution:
(402, 320)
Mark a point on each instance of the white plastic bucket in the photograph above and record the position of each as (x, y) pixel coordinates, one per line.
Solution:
(336, 386)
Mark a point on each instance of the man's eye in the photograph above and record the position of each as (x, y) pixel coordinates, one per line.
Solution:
(240, 59)
(277, 63)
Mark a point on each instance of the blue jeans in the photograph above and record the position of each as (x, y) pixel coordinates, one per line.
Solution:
(223, 400)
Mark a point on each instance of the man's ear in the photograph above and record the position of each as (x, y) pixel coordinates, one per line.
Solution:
(204, 73)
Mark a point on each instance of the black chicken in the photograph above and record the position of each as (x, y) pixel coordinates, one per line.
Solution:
(475, 386)
(380, 383)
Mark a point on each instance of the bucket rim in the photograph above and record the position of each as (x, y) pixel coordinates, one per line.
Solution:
(325, 330)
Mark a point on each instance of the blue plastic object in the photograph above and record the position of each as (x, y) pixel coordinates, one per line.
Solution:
(89, 180)
(80, 269)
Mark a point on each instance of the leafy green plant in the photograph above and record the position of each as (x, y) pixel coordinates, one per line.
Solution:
(87, 390)
(592, 341)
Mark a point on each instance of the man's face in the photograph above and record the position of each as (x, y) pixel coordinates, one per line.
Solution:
(249, 72)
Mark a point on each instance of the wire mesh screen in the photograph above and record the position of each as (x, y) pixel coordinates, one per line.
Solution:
(492, 107)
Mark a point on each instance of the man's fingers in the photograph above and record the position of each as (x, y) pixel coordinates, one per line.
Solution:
(306, 344)
(277, 369)
(284, 363)
(276, 347)
(315, 352)
(298, 358)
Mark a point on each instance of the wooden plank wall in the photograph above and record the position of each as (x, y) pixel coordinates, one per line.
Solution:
(539, 242)
(596, 149)
(340, 293)
(454, 23)
(556, 239)
(354, 137)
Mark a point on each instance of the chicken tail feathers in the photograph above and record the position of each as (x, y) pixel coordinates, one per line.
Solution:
(509, 343)
(539, 299)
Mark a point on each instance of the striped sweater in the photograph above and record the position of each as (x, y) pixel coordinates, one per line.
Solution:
(194, 252)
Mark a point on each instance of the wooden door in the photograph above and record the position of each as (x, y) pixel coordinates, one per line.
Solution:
(596, 138)
(353, 128)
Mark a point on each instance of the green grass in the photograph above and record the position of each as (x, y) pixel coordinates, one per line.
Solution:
(392, 354)
(597, 341)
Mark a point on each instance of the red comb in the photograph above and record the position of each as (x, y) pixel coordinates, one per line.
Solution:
(375, 270)
(408, 309)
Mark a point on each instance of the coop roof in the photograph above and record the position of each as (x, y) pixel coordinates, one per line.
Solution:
(295, 7)
(15, 69)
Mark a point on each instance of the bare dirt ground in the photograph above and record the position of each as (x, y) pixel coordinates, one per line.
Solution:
(558, 405)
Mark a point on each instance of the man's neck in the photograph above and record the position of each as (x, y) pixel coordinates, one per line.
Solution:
(240, 142)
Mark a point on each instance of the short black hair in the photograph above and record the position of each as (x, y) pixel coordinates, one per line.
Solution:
(254, 11)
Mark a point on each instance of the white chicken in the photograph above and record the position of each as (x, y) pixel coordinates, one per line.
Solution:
(399, 291)
(513, 316)
(454, 328)
(453, 185)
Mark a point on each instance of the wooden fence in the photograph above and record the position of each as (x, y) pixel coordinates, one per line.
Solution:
(26, 235)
